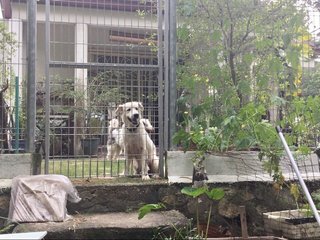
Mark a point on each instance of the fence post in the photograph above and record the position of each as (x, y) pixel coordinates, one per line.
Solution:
(47, 89)
(17, 109)
(172, 70)
(31, 79)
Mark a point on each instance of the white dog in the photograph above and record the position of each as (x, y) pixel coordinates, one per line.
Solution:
(115, 138)
(147, 125)
(137, 143)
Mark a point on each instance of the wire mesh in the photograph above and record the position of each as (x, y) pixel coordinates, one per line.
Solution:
(104, 54)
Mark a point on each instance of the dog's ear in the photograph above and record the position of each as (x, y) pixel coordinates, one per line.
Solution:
(140, 106)
(119, 110)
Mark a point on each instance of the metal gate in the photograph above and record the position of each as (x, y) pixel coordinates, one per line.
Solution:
(100, 54)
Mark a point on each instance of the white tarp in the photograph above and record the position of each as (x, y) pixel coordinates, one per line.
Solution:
(41, 198)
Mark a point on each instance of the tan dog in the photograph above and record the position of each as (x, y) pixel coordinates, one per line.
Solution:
(138, 146)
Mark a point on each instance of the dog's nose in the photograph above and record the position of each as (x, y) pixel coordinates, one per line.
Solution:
(136, 115)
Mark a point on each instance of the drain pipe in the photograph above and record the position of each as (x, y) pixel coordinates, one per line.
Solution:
(296, 169)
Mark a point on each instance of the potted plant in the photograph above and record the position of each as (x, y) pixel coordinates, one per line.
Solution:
(298, 223)
(244, 131)
(292, 224)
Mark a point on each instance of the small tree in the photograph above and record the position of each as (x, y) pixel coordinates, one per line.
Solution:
(90, 102)
(7, 50)
(236, 52)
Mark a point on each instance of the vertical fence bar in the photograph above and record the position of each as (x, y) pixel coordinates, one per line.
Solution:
(160, 87)
(17, 109)
(31, 79)
(172, 70)
(166, 74)
(47, 88)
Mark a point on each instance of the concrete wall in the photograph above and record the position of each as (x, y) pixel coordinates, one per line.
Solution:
(12, 165)
(238, 166)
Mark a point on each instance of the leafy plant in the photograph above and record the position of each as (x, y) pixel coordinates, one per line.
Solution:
(145, 209)
(213, 194)
(8, 47)
(180, 233)
(302, 115)
(241, 131)
(241, 75)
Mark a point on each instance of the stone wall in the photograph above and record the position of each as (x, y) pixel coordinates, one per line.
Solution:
(257, 197)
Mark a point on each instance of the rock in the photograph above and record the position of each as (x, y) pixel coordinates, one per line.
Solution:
(228, 209)
(4, 208)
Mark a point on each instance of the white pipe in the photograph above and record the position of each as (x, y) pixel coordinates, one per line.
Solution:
(296, 169)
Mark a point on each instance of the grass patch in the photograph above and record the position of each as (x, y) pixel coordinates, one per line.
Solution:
(85, 167)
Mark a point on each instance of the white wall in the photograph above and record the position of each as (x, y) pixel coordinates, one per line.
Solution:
(63, 21)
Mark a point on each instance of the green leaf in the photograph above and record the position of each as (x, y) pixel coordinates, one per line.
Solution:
(193, 192)
(148, 208)
(304, 149)
(216, 193)
(244, 143)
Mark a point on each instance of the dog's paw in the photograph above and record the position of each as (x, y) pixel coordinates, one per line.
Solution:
(145, 177)
(154, 175)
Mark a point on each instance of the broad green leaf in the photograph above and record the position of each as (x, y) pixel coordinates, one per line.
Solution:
(216, 193)
(148, 208)
(193, 192)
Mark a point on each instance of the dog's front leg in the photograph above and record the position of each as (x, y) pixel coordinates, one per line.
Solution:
(128, 168)
(144, 167)
(145, 176)
(128, 162)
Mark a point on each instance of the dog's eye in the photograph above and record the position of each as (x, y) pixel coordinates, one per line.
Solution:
(129, 109)
(136, 109)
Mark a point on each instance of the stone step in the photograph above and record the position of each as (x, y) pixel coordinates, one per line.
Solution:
(118, 225)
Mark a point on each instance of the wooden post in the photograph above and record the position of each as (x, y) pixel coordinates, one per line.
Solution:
(243, 219)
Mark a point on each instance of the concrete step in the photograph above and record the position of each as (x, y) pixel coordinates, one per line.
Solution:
(118, 225)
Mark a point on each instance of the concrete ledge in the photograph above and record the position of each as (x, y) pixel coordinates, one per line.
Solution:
(5, 184)
(12, 165)
(110, 226)
(237, 166)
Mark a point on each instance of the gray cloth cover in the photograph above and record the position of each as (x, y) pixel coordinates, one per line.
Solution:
(41, 198)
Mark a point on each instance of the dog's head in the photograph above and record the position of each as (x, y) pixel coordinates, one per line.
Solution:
(131, 113)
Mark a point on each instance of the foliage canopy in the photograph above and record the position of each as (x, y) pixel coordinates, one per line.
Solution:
(240, 74)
